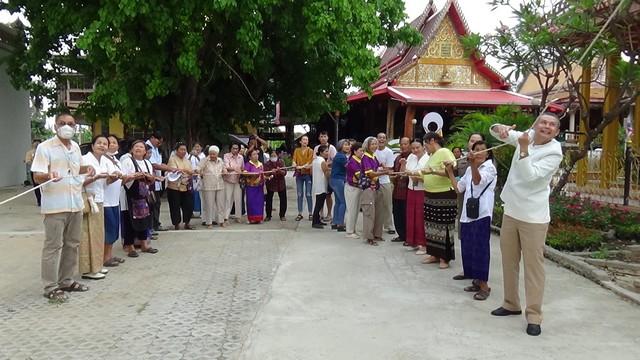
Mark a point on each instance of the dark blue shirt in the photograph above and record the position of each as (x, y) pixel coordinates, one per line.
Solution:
(339, 167)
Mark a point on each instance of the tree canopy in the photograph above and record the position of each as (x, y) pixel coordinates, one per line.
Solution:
(553, 38)
(196, 68)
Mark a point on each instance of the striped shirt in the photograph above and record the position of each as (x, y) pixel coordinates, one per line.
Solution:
(64, 195)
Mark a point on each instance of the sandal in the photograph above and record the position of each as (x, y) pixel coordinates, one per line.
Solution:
(111, 263)
(133, 254)
(75, 287)
(56, 295)
(120, 260)
(371, 242)
(472, 288)
(482, 295)
(299, 217)
(310, 217)
(149, 250)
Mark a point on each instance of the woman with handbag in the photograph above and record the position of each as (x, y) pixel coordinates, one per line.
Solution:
(478, 184)
(440, 203)
(371, 200)
(180, 191)
(352, 192)
(211, 169)
(136, 214)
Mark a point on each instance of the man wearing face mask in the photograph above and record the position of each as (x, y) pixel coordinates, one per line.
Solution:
(59, 159)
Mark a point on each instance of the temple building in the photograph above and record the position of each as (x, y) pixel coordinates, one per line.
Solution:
(435, 76)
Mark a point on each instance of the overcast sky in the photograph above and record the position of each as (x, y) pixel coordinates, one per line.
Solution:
(478, 14)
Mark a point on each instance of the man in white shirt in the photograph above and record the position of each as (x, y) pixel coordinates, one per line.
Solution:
(59, 159)
(324, 140)
(386, 158)
(526, 214)
(155, 141)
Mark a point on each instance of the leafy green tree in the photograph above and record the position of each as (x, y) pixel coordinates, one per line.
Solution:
(480, 122)
(38, 129)
(553, 37)
(196, 69)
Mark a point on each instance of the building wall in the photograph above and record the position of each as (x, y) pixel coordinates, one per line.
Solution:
(15, 134)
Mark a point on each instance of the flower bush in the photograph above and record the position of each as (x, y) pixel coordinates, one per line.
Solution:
(572, 237)
(577, 209)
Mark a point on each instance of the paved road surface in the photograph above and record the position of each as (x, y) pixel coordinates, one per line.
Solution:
(285, 291)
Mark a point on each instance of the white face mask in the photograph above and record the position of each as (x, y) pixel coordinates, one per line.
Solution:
(273, 158)
(66, 132)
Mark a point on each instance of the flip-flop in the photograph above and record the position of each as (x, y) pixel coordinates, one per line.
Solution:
(120, 260)
(133, 254)
(150, 250)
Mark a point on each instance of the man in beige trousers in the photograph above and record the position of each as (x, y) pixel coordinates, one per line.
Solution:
(526, 214)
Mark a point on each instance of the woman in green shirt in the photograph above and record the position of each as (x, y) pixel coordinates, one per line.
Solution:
(440, 203)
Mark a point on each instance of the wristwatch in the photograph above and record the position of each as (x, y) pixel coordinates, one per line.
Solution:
(523, 154)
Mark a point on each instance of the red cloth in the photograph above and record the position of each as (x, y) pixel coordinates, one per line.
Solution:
(400, 183)
(277, 183)
(415, 218)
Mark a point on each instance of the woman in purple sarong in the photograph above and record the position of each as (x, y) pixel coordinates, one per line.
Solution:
(478, 181)
(254, 173)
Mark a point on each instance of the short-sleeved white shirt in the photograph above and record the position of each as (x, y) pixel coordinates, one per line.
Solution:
(64, 195)
(332, 152)
(385, 157)
(156, 158)
(112, 191)
(102, 166)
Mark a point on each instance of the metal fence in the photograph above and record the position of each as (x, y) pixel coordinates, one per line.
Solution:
(611, 167)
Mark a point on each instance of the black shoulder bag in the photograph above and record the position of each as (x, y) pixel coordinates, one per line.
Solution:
(473, 204)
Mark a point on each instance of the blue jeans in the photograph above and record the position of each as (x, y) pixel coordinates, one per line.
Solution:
(340, 206)
(303, 186)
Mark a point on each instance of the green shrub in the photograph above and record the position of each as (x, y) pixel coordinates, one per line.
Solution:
(570, 237)
(627, 231)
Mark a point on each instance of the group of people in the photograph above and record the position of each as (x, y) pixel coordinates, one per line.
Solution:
(90, 201)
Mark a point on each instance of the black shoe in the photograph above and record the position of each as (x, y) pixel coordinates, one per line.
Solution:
(214, 223)
(341, 228)
(323, 223)
(317, 226)
(160, 228)
(460, 277)
(534, 329)
(504, 312)
(334, 227)
(268, 218)
(391, 232)
(204, 223)
(397, 239)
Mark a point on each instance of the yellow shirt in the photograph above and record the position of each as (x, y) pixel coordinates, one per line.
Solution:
(436, 183)
(182, 164)
(301, 157)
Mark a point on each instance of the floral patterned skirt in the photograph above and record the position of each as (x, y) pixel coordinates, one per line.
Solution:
(440, 210)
